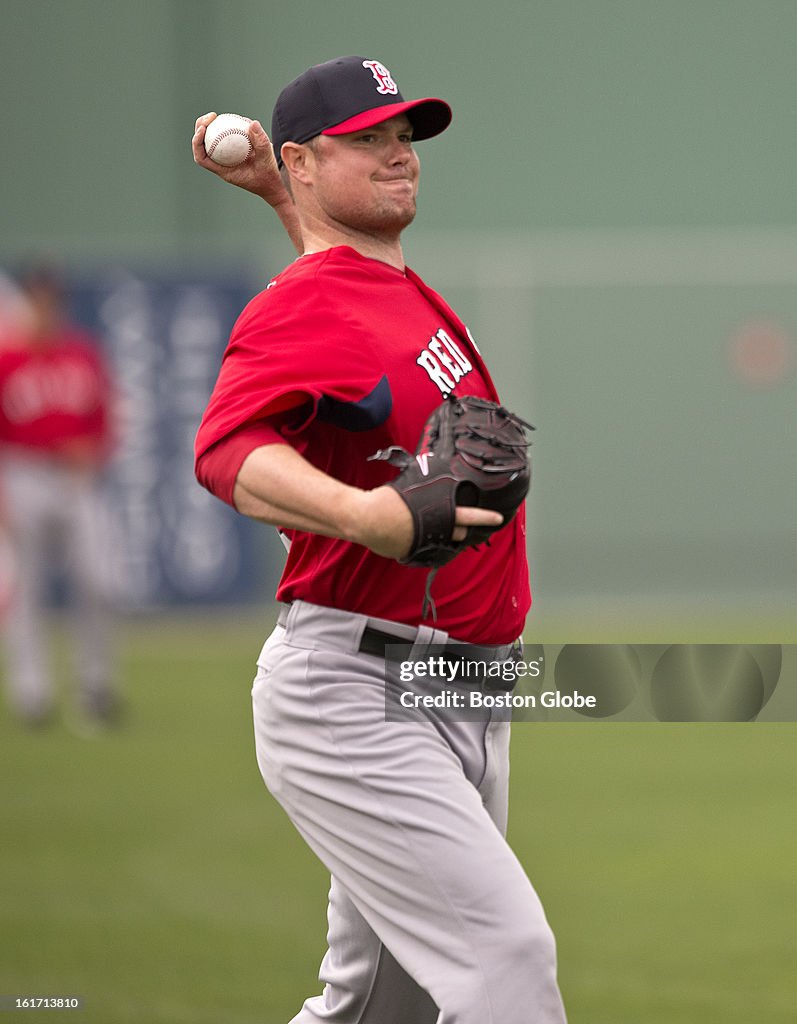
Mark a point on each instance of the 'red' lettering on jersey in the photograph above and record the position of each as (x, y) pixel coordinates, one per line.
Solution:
(347, 355)
(54, 395)
(445, 362)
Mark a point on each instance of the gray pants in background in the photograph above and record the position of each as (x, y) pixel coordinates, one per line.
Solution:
(53, 515)
(431, 915)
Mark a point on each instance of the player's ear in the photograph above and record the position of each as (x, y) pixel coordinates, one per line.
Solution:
(298, 160)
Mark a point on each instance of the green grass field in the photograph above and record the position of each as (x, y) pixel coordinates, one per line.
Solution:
(150, 873)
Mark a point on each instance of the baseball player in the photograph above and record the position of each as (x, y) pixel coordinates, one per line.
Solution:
(55, 395)
(431, 915)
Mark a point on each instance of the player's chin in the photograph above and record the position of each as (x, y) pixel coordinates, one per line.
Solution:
(399, 214)
(384, 217)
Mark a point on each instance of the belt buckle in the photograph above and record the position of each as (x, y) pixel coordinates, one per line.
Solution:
(499, 684)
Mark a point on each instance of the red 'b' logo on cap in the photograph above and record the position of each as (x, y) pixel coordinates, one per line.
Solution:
(384, 81)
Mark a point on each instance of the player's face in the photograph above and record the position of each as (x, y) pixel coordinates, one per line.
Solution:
(368, 180)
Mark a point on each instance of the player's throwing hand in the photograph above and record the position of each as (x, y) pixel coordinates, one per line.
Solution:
(258, 173)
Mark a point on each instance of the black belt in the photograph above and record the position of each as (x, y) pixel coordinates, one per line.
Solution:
(375, 642)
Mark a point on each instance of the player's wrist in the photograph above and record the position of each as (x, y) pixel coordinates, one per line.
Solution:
(379, 520)
(276, 196)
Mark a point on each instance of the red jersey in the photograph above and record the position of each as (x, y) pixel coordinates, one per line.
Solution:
(343, 355)
(54, 396)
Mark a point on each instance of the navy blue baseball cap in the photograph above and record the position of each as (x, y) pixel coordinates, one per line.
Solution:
(346, 95)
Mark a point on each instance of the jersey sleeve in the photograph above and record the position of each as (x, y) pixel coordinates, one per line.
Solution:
(217, 468)
(297, 346)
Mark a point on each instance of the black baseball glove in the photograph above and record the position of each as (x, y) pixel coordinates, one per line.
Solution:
(472, 452)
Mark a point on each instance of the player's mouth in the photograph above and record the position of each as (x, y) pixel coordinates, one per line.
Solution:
(407, 183)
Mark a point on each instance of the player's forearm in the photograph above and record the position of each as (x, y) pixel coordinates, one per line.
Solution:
(276, 485)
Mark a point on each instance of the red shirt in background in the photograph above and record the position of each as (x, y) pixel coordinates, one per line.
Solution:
(55, 397)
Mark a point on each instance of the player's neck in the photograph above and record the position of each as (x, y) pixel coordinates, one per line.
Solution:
(387, 250)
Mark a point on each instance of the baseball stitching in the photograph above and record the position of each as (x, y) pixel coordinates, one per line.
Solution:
(224, 135)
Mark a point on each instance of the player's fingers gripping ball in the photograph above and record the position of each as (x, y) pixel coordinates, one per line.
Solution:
(227, 139)
(472, 452)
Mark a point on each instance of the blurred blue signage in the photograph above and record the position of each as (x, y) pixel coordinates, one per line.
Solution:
(165, 334)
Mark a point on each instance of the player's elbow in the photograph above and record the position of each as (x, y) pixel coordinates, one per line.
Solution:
(247, 504)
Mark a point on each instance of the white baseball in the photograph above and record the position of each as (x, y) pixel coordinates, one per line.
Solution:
(226, 141)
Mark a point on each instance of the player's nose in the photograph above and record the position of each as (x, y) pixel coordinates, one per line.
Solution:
(400, 151)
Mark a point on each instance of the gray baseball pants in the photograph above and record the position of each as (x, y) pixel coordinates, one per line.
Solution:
(54, 510)
(432, 919)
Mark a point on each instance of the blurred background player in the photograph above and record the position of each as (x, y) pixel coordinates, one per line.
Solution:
(14, 310)
(55, 441)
